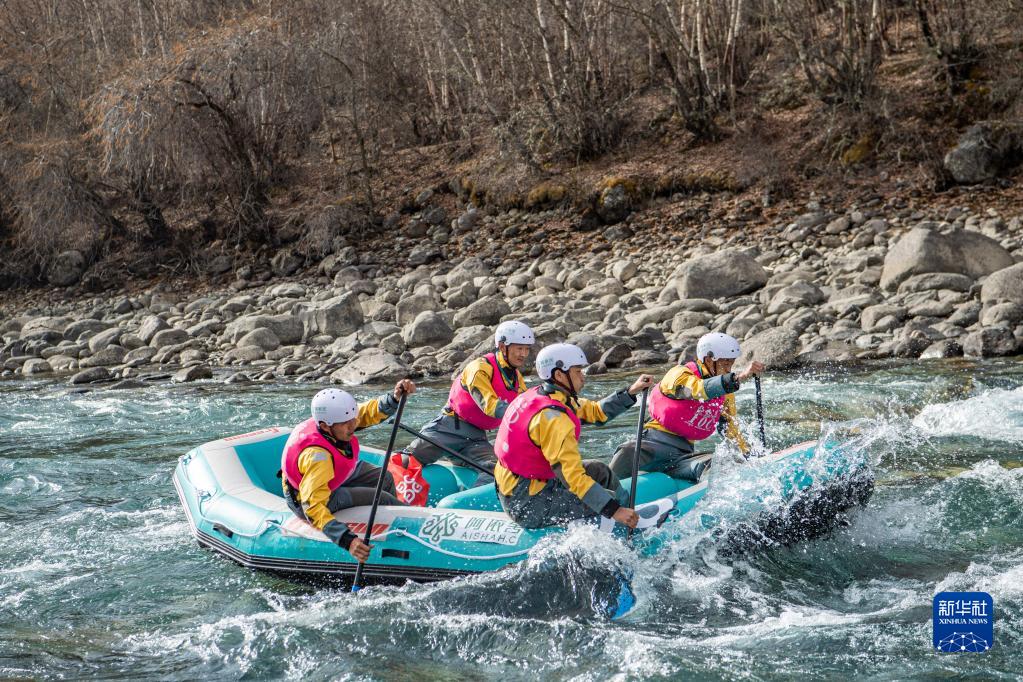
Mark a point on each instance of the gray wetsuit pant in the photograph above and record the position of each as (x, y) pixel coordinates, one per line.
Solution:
(460, 436)
(358, 490)
(663, 452)
(556, 504)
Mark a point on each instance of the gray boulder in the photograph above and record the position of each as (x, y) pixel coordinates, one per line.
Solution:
(1005, 284)
(882, 318)
(66, 269)
(467, 338)
(654, 314)
(371, 365)
(936, 280)
(623, 271)
(725, 273)
(286, 262)
(287, 290)
(700, 305)
(777, 348)
(287, 327)
(243, 355)
(614, 203)
(45, 324)
(62, 363)
(466, 272)
(108, 357)
(984, 152)
(139, 356)
(168, 337)
(615, 355)
(150, 326)
(966, 314)
(486, 311)
(593, 346)
(689, 319)
(931, 309)
(428, 329)
(990, 342)
(799, 294)
(461, 296)
(36, 366)
(583, 277)
(205, 328)
(104, 339)
(260, 338)
(393, 344)
(923, 250)
(424, 253)
(91, 375)
(192, 374)
(1006, 314)
(334, 317)
(380, 311)
(910, 343)
(947, 348)
(410, 307)
(79, 328)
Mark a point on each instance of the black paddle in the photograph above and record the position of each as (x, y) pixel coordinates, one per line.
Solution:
(635, 454)
(451, 453)
(380, 486)
(760, 409)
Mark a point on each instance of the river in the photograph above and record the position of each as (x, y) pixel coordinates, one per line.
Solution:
(100, 577)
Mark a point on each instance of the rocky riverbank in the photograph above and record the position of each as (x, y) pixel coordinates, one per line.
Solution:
(823, 287)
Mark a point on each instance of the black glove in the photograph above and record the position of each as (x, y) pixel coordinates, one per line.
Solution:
(729, 382)
(339, 534)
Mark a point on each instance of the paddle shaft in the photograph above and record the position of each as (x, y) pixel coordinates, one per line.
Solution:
(760, 409)
(380, 486)
(448, 451)
(635, 453)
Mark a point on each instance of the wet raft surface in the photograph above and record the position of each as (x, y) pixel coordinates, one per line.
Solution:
(100, 575)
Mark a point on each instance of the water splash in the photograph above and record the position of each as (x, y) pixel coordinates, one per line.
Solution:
(100, 577)
(996, 414)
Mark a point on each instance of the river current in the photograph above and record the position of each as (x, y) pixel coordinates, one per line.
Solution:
(100, 577)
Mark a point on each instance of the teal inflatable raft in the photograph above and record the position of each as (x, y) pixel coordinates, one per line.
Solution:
(232, 497)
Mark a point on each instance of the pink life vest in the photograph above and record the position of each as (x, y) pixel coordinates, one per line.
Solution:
(689, 418)
(515, 450)
(307, 435)
(461, 403)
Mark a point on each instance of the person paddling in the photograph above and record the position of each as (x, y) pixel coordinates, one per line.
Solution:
(542, 479)
(691, 403)
(477, 400)
(320, 467)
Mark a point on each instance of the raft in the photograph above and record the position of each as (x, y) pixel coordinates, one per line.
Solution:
(232, 496)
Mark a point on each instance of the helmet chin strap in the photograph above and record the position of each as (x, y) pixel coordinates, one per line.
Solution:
(570, 389)
(326, 432)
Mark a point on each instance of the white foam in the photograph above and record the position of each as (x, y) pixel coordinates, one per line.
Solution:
(30, 486)
(1002, 578)
(995, 415)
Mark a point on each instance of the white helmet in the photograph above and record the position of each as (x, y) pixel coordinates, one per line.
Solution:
(559, 356)
(717, 345)
(514, 331)
(333, 406)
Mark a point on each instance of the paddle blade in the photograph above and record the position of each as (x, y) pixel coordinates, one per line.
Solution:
(625, 600)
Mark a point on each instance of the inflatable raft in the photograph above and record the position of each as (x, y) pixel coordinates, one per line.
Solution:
(232, 497)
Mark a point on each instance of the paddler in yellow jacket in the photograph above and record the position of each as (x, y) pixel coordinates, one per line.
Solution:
(542, 479)
(477, 401)
(691, 403)
(320, 468)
